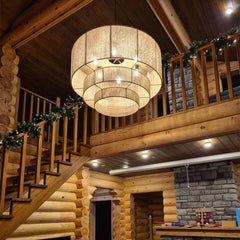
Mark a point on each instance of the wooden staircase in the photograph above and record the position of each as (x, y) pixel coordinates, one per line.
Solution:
(37, 178)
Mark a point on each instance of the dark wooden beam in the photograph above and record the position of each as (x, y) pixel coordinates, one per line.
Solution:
(171, 23)
(39, 18)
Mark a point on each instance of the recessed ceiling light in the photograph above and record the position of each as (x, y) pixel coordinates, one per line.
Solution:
(125, 166)
(95, 164)
(95, 161)
(229, 10)
(208, 143)
(145, 151)
(145, 156)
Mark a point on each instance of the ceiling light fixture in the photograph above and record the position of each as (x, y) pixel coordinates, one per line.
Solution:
(120, 52)
(95, 164)
(145, 156)
(207, 143)
(229, 10)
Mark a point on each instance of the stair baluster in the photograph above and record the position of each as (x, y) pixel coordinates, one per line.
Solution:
(75, 129)
(3, 179)
(39, 154)
(22, 167)
(64, 145)
(51, 165)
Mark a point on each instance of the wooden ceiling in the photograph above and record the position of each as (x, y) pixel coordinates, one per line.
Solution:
(220, 145)
(207, 18)
(45, 60)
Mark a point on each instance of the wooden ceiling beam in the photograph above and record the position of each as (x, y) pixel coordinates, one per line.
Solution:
(171, 23)
(39, 18)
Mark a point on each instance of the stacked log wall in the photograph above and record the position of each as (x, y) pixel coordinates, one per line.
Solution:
(222, 70)
(100, 180)
(84, 193)
(9, 88)
(55, 217)
(141, 217)
(160, 182)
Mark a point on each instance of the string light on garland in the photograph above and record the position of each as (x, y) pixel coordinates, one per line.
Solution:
(191, 51)
(12, 140)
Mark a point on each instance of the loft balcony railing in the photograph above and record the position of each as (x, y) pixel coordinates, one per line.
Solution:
(211, 78)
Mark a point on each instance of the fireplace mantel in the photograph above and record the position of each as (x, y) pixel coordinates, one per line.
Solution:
(222, 232)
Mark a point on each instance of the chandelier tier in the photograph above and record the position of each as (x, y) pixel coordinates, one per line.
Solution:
(116, 69)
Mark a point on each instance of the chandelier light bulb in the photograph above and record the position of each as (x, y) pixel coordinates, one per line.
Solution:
(118, 80)
(95, 61)
(148, 75)
(114, 52)
(99, 74)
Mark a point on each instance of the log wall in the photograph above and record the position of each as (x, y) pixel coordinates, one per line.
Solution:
(160, 182)
(66, 213)
(222, 70)
(9, 88)
(84, 194)
(55, 218)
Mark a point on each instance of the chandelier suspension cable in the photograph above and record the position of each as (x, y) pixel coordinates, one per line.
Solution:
(115, 10)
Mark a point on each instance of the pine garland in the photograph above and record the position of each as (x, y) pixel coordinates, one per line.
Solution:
(191, 51)
(12, 140)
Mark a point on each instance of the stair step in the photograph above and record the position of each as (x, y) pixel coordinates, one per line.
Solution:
(49, 173)
(6, 217)
(67, 163)
(15, 187)
(34, 185)
(19, 200)
(76, 153)
(52, 173)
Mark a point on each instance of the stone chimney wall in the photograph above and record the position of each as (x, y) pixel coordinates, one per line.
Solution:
(212, 186)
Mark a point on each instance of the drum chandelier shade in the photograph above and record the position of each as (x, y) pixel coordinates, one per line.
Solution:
(116, 69)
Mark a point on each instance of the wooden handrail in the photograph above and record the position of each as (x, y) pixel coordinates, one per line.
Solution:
(37, 95)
